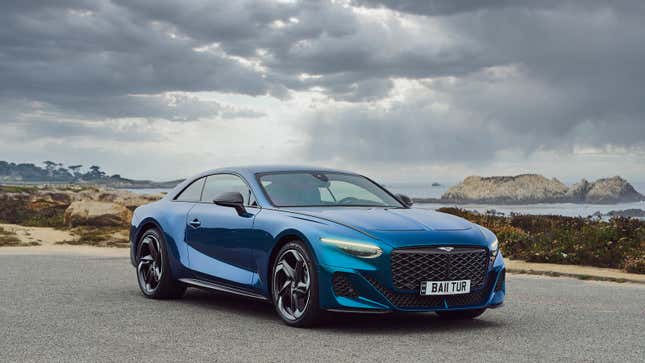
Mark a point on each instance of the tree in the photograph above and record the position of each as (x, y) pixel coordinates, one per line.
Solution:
(76, 170)
(96, 172)
(49, 166)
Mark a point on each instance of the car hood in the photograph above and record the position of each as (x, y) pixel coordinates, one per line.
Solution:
(388, 219)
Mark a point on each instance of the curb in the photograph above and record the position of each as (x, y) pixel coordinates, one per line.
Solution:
(577, 276)
(579, 272)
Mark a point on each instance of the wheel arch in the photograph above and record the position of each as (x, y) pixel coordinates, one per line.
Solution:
(144, 225)
(281, 239)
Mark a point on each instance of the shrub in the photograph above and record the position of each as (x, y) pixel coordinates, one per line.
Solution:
(617, 243)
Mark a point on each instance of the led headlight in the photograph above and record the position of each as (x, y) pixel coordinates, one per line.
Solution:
(358, 249)
(494, 250)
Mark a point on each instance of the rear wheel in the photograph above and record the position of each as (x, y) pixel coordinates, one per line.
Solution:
(153, 268)
(460, 314)
(295, 285)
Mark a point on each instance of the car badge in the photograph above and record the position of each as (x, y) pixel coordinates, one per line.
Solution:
(447, 249)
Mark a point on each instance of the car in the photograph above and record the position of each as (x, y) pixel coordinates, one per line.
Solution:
(313, 240)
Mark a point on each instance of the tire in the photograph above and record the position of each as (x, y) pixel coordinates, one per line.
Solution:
(287, 285)
(460, 314)
(153, 268)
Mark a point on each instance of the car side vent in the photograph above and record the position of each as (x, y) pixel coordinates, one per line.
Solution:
(343, 286)
(501, 281)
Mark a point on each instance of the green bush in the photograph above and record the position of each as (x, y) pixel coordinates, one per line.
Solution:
(616, 243)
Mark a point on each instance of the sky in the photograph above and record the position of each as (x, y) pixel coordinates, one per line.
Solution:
(402, 90)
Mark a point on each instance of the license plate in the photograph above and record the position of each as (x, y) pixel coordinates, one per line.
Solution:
(445, 287)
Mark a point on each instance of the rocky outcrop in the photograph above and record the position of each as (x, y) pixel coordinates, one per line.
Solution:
(49, 198)
(96, 214)
(612, 190)
(128, 199)
(47, 205)
(533, 188)
(631, 213)
(578, 191)
(526, 188)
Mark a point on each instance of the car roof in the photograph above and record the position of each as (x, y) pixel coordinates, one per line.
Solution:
(248, 173)
(256, 169)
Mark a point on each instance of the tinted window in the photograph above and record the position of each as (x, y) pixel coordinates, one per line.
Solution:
(324, 189)
(223, 183)
(193, 193)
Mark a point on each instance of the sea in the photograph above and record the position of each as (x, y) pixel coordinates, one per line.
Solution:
(426, 190)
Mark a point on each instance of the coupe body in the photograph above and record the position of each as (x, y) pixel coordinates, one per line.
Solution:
(310, 240)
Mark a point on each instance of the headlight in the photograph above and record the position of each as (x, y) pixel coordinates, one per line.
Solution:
(358, 249)
(494, 250)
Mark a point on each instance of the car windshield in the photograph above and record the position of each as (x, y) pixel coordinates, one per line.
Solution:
(313, 189)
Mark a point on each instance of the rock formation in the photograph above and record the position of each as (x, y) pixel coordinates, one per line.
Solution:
(533, 188)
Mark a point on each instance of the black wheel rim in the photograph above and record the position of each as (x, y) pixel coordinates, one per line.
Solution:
(291, 281)
(149, 268)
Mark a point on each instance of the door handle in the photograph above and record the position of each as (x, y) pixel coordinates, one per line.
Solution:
(195, 223)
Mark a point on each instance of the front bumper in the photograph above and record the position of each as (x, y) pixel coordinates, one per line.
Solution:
(354, 290)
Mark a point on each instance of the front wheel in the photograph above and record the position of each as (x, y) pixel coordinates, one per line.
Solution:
(460, 314)
(153, 268)
(295, 285)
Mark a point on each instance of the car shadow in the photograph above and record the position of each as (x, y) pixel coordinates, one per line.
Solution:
(401, 323)
(348, 323)
(228, 302)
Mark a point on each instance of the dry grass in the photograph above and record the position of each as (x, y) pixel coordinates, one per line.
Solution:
(99, 236)
(9, 238)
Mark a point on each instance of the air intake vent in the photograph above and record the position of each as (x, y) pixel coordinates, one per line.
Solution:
(501, 281)
(343, 286)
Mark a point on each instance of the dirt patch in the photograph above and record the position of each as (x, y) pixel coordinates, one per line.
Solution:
(33, 236)
(99, 237)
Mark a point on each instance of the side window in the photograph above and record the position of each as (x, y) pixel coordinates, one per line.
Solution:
(193, 193)
(223, 183)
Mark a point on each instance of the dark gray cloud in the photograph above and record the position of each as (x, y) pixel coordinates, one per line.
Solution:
(59, 52)
(487, 76)
(565, 75)
(449, 7)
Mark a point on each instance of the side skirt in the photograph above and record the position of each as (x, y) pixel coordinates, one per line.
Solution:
(359, 311)
(223, 288)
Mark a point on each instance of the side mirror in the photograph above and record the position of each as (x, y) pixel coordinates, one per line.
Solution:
(405, 199)
(233, 200)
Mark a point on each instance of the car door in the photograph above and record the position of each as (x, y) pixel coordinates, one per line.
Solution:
(218, 237)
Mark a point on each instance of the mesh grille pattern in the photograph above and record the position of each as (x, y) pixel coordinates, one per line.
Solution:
(342, 286)
(415, 300)
(500, 280)
(407, 300)
(412, 266)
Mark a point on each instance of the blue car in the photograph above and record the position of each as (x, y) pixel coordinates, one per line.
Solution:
(311, 240)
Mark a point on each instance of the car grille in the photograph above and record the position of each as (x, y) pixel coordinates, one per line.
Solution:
(415, 300)
(411, 266)
(342, 286)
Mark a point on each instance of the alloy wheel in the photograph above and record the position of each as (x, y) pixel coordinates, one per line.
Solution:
(291, 281)
(149, 268)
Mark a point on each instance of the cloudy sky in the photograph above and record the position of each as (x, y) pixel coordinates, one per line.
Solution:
(405, 90)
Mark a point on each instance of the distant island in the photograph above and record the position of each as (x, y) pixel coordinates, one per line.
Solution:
(57, 173)
(534, 188)
(436, 184)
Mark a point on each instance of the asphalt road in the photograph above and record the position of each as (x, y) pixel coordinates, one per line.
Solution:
(70, 308)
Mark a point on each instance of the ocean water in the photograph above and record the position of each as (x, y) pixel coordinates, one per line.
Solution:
(426, 190)
(564, 209)
(149, 190)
